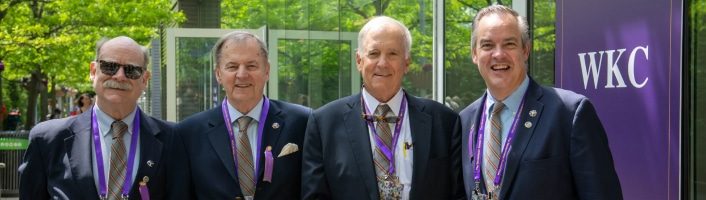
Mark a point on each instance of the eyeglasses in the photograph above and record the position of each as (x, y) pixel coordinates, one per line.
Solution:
(111, 68)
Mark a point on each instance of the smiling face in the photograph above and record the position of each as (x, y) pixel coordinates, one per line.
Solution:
(382, 60)
(500, 54)
(243, 72)
(117, 92)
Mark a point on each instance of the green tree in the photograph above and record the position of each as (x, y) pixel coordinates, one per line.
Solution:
(49, 43)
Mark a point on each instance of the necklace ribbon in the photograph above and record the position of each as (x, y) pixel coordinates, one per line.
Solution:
(131, 155)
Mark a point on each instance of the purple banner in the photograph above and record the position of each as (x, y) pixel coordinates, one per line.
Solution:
(625, 55)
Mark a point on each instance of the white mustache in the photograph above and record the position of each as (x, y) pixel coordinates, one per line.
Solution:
(112, 84)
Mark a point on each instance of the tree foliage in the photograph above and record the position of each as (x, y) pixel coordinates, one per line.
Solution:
(54, 40)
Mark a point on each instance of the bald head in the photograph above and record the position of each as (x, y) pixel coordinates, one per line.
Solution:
(122, 42)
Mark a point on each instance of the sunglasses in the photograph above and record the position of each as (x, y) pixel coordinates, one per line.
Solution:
(111, 68)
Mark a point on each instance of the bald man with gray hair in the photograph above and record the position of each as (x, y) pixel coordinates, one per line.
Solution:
(382, 143)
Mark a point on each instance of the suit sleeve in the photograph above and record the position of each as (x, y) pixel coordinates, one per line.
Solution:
(33, 178)
(458, 190)
(179, 171)
(591, 160)
(314, 184)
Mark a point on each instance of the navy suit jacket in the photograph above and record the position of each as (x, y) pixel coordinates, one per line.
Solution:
(213, 172)
(338, 160)
(58, 161)
(560, 153)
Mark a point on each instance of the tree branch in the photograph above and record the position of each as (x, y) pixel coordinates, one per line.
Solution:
(10, 5)
(356, 10)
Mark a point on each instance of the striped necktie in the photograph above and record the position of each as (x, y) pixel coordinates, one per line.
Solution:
(117, 160)
(492, 147)
(382, 163)
(245, 161)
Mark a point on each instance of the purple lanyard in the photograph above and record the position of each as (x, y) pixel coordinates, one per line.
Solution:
(260, 128)
(389, 152)
(131, 156)
(479, 149)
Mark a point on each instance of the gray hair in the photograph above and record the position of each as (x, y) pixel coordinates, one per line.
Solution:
(103, 40)
(385, 20)
(237, 37)
(500, 10)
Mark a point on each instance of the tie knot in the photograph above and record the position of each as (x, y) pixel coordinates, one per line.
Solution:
(498, 107)
(383, 113)
(118, 129)
(243, 122)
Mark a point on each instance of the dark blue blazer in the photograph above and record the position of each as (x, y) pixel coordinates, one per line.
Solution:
(58, 161)
(338, 161)
(564, 154)
(212, 171)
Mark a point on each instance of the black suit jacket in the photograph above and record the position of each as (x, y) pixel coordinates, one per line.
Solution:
(212, 168)
(564, 154)
(58, 161)
(338, 161)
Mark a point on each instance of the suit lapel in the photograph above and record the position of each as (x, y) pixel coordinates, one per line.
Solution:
(220, 141)
(359, 138)
(470, 149)
(522, 134)
(78, 147)
(270, 137)
(150, 150)
(420, 128)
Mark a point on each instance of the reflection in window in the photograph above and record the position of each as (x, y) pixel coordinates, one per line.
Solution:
(543, 22)
(463, 82)
(313, 71)
(196, 88)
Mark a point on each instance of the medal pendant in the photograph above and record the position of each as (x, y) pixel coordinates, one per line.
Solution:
(390, 187)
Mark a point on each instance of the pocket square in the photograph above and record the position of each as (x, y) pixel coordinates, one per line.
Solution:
(288, 149)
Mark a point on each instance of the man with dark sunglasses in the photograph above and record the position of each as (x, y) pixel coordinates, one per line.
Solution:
(115, 151)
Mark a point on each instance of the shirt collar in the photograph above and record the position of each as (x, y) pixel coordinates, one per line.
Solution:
(513, 101)
(254, 113)
(105, 121)
(395, 103)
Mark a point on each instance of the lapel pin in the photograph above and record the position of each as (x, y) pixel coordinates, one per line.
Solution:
(528, 124)
(150, 163)
(275, 125)
(533, 113)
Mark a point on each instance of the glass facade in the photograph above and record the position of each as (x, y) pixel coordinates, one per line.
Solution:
(463, 82)
(312, 47)
(315, 60)
(697, 113)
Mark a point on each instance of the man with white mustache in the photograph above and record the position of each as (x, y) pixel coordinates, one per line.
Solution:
(115, 151)
(383, 143)
(526, 141)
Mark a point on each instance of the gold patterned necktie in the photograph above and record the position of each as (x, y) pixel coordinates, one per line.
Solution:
(492, 148)
(245, 161)
(117, 160)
